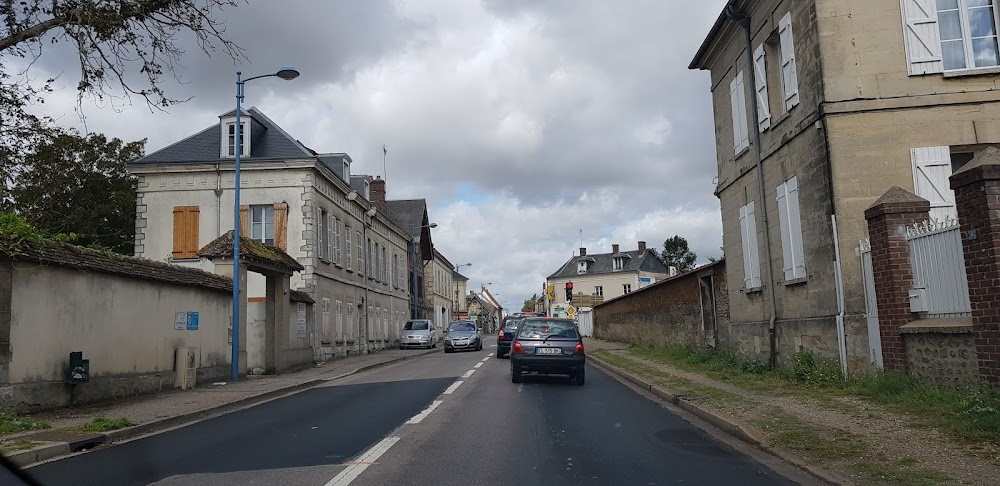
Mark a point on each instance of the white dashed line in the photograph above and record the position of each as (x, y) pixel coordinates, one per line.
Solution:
(357, 467)
(478, 364)
(468, 373)
(485, 359)
(491, 354)
(422, 415)
(454, 386)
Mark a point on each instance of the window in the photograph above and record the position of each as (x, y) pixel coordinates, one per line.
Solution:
(627, 288)
(361, 255)
(618, 263)
(347, 245)
(262, 224)
(748, 238)
(968, 30)
(322, 232)
(791, 229)
(385, 268)
(760, 75)
(737, 96)
(229, 139)
(932, 166)
(339, 319)
(336, 241)
(789, 73)
(599, 291)
(186, 232)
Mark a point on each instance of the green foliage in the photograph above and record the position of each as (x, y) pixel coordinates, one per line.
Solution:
(10, 423)
(529, 304)
(806, 369)
(101, 424)
(677, 254)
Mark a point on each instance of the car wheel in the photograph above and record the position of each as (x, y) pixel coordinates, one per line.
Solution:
(448, 350)
(515, 376)
(579, 378)
(434, 345)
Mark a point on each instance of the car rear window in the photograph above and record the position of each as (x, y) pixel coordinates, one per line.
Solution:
(532, 329)
(512, 324)
(415, 326)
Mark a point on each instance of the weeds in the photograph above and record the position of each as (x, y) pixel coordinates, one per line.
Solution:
(8, 446)
(11, 424)
(101, 424)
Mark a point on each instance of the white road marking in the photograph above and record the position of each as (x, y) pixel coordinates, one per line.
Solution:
(493, 345)
(422, 415)
(491, 354)
(454, 386)
(485, 359)
(468, 373)
(478, 364)
(357, 467)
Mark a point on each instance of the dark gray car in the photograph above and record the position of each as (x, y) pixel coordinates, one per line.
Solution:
(463, 335)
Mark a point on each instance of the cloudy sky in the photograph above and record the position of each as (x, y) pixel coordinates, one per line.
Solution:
(521, 122)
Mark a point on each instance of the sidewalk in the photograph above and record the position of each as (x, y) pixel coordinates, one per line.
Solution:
(152, 413)
(839, 437)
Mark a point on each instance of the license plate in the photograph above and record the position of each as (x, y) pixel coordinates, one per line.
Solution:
(548, 351)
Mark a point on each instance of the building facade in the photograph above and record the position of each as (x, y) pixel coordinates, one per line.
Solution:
(461, 287)
(851, 99)
(438, 286)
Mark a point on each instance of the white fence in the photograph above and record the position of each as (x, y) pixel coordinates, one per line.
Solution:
(871, 306)
(938, 266)
(585, 321)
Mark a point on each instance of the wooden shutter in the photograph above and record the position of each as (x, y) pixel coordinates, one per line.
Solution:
(931, 170)
(748, 235)
(245, 221)
(795, 228)
(330, 221)
(760, 76)
(281, 226)
(789, 73)
(921, 37)
(347, 243)
(739, 112)
(786, 235)
(186, 221)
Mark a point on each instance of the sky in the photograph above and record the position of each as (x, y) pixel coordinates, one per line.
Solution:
(527, 125)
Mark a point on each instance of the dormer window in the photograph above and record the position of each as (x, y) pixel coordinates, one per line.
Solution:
(581, 267)
(619, 263)
(229, 138)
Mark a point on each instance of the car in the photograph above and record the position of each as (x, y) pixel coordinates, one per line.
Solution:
(463, 335)
(506, 335)
(418, 333)
(548, 346)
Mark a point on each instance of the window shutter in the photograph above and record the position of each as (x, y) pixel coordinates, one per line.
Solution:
(786, 235)
(789, 74)
(281, 226)
(931, 170)
(745, 242)
(347, 243)
(330, 221)
(244, 220)
(760, 76)
(754, 252)
(921, 37)
(336, 241)
(795, 228)
(739, 118)
(186, 220)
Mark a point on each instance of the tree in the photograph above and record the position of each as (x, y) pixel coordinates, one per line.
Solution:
(78, 185)
(677, 254)
(529, 304)
(113, 39)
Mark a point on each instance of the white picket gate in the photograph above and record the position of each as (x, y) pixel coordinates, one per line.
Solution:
(585, 321)
(938, 266)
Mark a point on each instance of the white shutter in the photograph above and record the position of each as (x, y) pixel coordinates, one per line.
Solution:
(738, 121)
(789, 73)
(347, 245)
(748, 235)
(760, 76)
(931, 170)
(744, 240)
(795, 228)
(786, 234)
(329, 236)
(340, 321)
(921, 37)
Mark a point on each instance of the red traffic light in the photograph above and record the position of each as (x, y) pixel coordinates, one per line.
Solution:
(569, 285)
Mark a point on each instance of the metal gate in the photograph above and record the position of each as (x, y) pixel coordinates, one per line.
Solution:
(585, 321)
(871, 307)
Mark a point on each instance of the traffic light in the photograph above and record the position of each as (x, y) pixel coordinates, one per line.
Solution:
(569, 291)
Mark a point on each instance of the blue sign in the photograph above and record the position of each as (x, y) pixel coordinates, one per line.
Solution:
(192, 321)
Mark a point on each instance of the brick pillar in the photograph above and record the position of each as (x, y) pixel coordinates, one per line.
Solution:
(887, 222)
(977, 196)
(376, 190)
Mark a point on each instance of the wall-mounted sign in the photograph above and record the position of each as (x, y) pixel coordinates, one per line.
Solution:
(192, 321)
(186, 321)
(300, 320)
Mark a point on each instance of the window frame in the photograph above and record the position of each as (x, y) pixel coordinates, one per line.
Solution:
(969, 53)
(599, 290)
(626, 289)
(228, 126)
(252, 223)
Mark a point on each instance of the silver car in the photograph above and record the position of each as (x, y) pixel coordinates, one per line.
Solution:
(463, 335)
(418, 333)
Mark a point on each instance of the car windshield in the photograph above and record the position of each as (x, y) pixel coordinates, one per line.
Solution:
(511, 325)
(544, 329)
(415, 326)
(461, 326)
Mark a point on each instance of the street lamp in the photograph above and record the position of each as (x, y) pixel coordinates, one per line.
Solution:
(413, 289)
(286, 73)
(455, 304)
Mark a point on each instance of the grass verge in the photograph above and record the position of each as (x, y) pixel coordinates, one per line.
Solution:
(101, 424)
(8, 446)
(902, 471)
(11, 424)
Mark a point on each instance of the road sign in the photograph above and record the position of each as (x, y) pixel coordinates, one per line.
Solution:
(570, 311)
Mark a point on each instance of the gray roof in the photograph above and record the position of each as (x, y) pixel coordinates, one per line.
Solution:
(358, 184)
(458, 276)
(604, 263)
(407, 213)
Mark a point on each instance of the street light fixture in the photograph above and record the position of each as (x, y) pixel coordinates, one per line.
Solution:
(287, 73)
(455, 304)
(413, 288)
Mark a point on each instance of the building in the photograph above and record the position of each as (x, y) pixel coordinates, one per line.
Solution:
(851, 99)
(438, 285)
(461, 287)
(598, 277)
(303, 202)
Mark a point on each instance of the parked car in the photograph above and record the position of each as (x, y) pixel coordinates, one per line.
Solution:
(418, 333)
(550, 346)
(463, 335)
(506, 335)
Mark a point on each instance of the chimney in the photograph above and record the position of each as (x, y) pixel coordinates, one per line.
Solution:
(642, 248)
(377, 190)
(583, 252)
(614, 248)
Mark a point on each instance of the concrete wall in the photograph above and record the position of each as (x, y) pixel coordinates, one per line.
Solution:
(124, 326)
(945, 360)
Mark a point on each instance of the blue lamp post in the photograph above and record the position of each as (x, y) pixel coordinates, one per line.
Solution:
(286, 73)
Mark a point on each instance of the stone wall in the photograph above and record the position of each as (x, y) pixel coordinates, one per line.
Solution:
(944, 357)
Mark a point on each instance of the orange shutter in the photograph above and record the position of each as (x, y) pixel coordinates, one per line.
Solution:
(245, 221)
(186, 232)
(180, 239)
(281, 225)
(193, 220)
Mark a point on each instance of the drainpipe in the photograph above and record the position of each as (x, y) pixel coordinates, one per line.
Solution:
(744, 22)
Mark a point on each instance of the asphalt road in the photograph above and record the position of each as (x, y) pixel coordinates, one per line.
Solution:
(410, 423)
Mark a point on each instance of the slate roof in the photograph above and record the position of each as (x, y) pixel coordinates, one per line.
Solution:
(458, 276)
(300, 296)
(87, 260)
(250, 250)
(358, 184)
(604, 263)
(409, 214)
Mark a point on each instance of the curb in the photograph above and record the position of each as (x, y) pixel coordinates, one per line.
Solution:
(51, 451)
(724, 423)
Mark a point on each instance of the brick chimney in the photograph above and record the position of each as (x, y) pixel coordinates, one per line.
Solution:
(642, 248)
(377, 192)
(583, 252)
(614, 248)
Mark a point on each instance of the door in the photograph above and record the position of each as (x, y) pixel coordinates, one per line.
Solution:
(708, 318)
(871, 307)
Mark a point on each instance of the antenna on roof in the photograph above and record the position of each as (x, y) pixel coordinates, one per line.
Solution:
(385, 152)
(581, 238)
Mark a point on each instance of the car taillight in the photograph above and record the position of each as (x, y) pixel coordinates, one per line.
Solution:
(579, 349)
(518, 349)
(501, 334)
